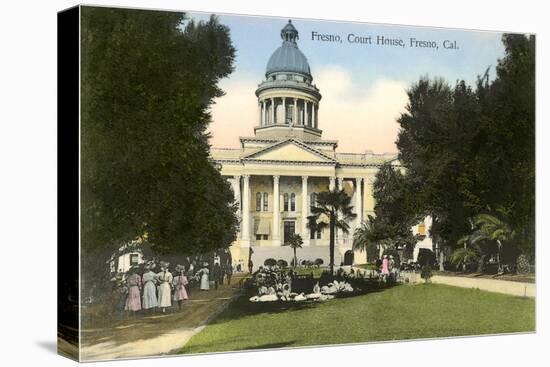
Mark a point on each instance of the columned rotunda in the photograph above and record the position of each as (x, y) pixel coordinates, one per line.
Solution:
(277, 172)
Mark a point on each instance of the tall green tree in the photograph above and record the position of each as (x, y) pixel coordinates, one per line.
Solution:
(336, 206)
(469, 151)
(395, 214)
(148, 79)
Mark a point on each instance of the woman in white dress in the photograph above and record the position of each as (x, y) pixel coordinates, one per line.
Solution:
(165, 291)
(149, 288)
(205, 282)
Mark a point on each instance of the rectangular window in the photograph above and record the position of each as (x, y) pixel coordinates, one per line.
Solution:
(311, 234)
(134, 259)
(293, 202)
(318, 235)
(289, 114)
(258, 201)
(422, 229)
(289, 229)
(265, 236)
(258, 237)
(266, 196)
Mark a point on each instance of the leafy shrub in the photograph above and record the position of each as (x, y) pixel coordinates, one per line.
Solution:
(464, 257)
(522, 264)
(270, 262)
(318, 262)
(425, 257)
(282, 263)
(426, 273)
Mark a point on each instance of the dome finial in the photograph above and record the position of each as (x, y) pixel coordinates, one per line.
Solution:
(289, 33)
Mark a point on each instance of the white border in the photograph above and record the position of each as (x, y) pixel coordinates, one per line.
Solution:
(28, 184)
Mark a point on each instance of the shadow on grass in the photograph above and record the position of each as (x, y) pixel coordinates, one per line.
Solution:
(272, 345)
(242, 307)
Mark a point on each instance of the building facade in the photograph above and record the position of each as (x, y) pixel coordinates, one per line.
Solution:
(277, 172)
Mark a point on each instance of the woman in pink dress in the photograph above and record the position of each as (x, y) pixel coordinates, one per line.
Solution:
(385, 269)
(179, 283)
(133, 301)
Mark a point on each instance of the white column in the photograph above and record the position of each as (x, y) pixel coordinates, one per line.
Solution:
(276, 238)
(313, 123)
(266, 120)
(273, 111)
(260, 113)
(236, 185)
(284, 110)
(245, 223)
(295, 118)
(358, 210)
(306, 122)
(305, 211)
(340, 180)
(331, 183)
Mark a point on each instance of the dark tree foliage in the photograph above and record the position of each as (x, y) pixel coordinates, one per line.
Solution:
(336, 206)
(148, 79)
(395, 214)
(469, 152)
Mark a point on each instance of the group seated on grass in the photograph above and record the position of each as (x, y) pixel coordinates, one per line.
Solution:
(275, 283)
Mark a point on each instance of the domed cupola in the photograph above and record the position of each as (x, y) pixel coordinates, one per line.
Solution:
(288, 101)
(288, 57)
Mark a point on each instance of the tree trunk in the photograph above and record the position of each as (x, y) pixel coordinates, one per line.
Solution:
(331, 242)
(295, 259)
(498, 257)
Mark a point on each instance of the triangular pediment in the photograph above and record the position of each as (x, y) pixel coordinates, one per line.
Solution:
(290, 150)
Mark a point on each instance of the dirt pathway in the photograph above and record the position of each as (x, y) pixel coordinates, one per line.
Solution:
(143, 335)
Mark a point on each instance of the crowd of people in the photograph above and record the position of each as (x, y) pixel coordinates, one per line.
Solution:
(147, 288)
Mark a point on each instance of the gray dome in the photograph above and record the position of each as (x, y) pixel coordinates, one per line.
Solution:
(288, 58)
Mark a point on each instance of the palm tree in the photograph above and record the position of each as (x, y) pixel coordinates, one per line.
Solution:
(295, 241)
(492, 228)
(364, 237)
(335, 205)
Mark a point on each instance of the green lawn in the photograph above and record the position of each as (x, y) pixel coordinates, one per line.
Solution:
(401, 312)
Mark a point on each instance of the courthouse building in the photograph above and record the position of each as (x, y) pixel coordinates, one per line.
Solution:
(278, 170)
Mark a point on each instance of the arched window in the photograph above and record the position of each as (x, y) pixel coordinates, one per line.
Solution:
(265, 201)
(285, 202)
(258, 201)
(293, 202)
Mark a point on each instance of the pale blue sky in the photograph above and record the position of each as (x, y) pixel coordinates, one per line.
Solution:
(257, 37)
(363, 86)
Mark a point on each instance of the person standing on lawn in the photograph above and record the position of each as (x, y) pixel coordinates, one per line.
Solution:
(165, 279)
(385, 267)
(203, 273)
(149, 288)
(133, 301)
(229, 272)
(216, 274)
(179, 283)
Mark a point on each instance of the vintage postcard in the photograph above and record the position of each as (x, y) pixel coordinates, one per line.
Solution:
(247, 182)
